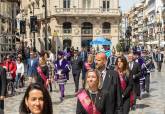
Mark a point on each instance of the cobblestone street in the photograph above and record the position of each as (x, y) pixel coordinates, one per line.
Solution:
(150, 104)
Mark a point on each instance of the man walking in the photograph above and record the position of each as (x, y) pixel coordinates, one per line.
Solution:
(111, 83)
(159, 60)
(135, 72)
(76, 69)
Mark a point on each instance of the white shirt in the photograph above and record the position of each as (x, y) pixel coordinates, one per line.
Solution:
(20, 68)
(31, 62)
(103, 74)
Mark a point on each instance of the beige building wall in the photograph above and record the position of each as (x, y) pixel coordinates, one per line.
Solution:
(76, 15)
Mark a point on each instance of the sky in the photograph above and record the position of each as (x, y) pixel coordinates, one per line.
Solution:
(127, 4)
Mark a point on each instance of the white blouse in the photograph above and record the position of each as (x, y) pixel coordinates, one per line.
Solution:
(20, 68)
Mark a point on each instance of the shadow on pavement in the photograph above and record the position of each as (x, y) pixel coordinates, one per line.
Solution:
(153, 89)
(146, 95)
(56, 103)
(69, 96)
(141, 106)
(153, 82)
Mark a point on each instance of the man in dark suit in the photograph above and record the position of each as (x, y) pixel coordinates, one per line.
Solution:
(111, 83)
(3, 81)
(76, 69)
(159, 60)
(135, 72)
(83, 55)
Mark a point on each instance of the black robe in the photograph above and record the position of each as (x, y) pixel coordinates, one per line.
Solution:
(101, 102)
(45, 70)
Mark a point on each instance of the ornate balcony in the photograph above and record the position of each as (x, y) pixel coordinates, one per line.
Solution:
(85, 12)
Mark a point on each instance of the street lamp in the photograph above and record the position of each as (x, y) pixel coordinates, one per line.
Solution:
(34, 42)
(46, 37)
(159, 24)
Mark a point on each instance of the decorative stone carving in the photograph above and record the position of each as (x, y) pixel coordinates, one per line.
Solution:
(76, 31)
(98, 31)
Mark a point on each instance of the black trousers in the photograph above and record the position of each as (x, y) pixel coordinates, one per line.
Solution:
(159, 66)
(1, 106)
(126, 105)
(147, 82)
(76, 77)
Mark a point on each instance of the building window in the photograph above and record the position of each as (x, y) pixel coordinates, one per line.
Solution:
(86, 3)
(67, 27)
(106, 27)
(87, 28)
(66, 3)
(106, 5)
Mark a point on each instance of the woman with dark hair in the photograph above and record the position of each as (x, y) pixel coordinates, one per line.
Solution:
(42, 72)
(126, 82)
(92, 100)
(36, 100)
(19, 72)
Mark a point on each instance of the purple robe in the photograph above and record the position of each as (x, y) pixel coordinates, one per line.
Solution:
(64, 67)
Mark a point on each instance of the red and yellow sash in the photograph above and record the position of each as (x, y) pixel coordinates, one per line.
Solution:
(87, 103)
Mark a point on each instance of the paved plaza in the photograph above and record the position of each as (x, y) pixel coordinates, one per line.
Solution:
(154, 103)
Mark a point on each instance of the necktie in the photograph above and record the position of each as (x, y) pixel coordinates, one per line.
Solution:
(101, 80)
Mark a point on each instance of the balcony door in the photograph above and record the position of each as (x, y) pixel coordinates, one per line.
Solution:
(106, 5)
(66, 4)
(86, 4)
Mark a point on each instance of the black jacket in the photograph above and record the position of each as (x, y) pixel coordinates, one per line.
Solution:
(112, 85)
(136, 72)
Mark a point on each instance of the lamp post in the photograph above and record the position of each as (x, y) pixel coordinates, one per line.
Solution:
(55, 36)
(159, 24)
(160, 21)
(46, 37)
(34, 41)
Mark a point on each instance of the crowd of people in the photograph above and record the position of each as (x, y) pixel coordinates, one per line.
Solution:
(110, 84)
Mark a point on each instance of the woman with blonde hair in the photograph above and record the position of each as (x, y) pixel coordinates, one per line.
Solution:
(92, 100)
(89, 64)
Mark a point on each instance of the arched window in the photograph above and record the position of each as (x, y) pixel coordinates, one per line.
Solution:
(67, 27)
(106, 27)
(87, 28)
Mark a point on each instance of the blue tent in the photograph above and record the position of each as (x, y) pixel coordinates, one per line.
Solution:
(100, 41)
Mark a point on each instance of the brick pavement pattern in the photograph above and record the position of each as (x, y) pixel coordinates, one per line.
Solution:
(154, 103)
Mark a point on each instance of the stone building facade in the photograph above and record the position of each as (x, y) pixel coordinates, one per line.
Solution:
(8, 12)
(73, 23)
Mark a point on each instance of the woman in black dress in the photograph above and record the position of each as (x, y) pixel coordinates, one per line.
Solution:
(42, 72)
(125, 81)
(91, 100)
